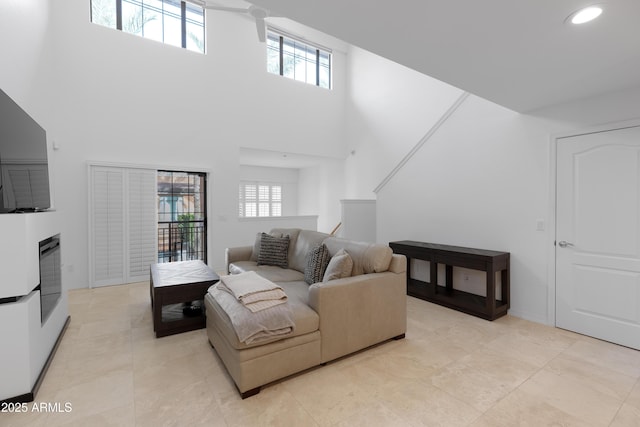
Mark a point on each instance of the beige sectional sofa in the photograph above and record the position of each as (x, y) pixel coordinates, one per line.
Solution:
(332, 319)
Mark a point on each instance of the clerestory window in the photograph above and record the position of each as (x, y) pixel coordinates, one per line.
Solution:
(174, 22)
(298, 60)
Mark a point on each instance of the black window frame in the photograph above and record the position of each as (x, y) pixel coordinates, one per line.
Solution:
(318, 50)
(170, 231)
(183, 20)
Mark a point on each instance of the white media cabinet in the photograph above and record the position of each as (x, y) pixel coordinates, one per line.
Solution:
(27, 345)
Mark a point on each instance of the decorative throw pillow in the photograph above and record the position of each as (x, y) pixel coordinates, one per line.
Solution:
(274, 251)
(256, 245)
(317, 261)
(340, 266)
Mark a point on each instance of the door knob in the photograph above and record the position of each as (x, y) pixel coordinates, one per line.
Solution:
(564, 244)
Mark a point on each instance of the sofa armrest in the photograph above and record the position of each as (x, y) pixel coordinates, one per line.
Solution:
(239, 253)
(398, 263)
(359, 311)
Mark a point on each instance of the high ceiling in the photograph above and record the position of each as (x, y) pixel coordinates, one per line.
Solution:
(518, 53)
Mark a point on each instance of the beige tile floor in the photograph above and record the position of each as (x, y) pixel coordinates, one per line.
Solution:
(451, 370)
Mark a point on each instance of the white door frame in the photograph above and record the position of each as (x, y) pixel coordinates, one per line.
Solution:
(553, 179)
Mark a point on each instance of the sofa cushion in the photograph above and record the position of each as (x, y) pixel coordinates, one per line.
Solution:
(367, 257)
(274, 251)
(273, 273)
(305, 318)
(256, 247)
(317, 261)
(305, 242)
(339, 267)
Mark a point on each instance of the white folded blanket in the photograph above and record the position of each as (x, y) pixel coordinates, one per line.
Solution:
(251, 327)
(253, 290)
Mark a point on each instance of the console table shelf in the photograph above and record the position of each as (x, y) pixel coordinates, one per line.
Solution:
(488, 261)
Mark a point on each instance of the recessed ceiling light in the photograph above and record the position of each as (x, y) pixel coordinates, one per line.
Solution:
(585, 15)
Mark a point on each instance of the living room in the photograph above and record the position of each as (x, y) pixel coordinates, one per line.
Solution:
(114, 98)
(100, 95)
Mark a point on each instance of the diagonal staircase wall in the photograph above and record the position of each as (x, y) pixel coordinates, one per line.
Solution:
(442, 120)
(389, 108)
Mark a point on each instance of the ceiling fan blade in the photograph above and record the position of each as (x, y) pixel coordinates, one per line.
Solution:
(262, 29)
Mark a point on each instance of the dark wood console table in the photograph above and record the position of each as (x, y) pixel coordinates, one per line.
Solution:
(490, 262)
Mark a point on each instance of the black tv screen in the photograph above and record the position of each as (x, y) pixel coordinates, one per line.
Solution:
(24, 170)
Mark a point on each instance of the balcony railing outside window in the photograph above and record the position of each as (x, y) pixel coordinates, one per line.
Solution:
(182, 219)
(181, 241)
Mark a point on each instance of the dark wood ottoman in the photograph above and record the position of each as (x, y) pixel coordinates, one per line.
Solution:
(172, 285)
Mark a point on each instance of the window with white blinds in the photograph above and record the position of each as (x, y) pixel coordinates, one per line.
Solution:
(259, 200)
(122, 218)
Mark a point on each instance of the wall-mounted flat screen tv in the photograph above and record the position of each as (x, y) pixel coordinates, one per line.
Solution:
(24, 170)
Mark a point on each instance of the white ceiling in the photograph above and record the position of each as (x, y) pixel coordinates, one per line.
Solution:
(518, 53)
(277, 159)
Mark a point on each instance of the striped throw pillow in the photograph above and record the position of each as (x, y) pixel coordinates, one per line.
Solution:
(274, 251)
(317, 261)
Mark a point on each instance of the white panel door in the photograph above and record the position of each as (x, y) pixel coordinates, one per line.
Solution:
(598, 235)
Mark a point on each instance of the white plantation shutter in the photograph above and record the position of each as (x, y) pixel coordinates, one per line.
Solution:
(260, 200)
(123, 224)
(107, 211)
(142, 223)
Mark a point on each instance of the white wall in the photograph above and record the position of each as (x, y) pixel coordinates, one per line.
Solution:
(358, 219)
(119, 98)
(25, 49)
(484, 180)
(481, 181)
(320, 189)
(389, 109)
